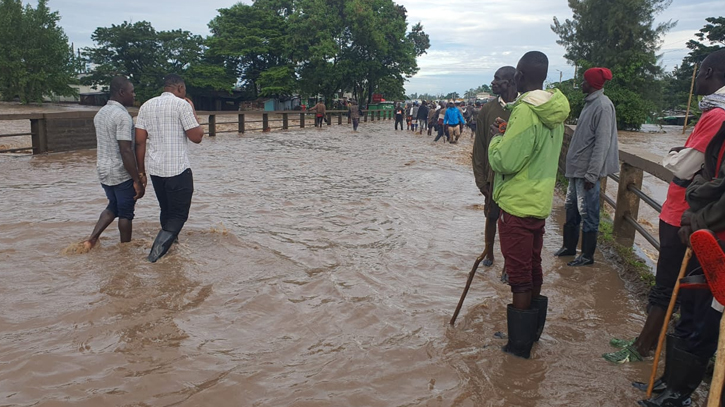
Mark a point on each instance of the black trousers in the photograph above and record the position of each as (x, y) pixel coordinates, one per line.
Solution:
(174, 196)
(672, 251)
(398, 120)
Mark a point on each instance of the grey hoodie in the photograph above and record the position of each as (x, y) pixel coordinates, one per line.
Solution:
(594, 150)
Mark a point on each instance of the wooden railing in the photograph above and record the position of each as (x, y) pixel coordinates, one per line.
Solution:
(634, 163)
(64, 131)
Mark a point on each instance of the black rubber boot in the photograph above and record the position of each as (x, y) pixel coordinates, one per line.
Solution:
(571, 239)
(589, 246)
(661, 384)
(522, 326)
(541, 305)
(163, 242)
(683, 376)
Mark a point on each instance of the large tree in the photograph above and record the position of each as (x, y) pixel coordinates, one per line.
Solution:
(623, 36)
(250, 40)
(145, 56)
(316, 47)
(35, 57)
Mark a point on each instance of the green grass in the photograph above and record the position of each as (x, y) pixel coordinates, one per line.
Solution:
(625, 253)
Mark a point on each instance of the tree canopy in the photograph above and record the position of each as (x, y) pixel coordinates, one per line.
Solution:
(280, 47)
(622, 36)
(145, 56)
(35, 57)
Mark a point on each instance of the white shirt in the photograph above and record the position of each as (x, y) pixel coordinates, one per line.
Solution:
(113, 124)
(166, 119)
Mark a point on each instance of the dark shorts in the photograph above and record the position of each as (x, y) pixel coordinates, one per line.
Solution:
(120, 199)
(521, 242)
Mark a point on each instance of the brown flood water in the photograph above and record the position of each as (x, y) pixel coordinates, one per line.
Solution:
(318, 268)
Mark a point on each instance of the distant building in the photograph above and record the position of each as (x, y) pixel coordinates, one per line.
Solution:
(483, 95)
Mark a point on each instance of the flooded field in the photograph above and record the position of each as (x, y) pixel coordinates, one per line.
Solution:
(318, 268)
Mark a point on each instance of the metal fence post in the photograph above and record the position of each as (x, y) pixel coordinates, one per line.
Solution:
(212, 125)
(302, 120)
(329, 119)
(241, 123)
(627, 204)
(265, 122)
(285, 122)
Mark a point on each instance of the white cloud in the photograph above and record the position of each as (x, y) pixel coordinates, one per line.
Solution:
(470, 39)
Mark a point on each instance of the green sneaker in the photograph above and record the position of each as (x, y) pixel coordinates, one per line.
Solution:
(621, 343)
(627, 354)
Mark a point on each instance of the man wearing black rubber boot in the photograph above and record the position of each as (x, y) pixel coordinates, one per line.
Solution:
(593, 154)
(531, 144)
(699, 324)
(164, 124)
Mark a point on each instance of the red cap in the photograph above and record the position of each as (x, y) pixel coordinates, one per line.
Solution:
(596, 77)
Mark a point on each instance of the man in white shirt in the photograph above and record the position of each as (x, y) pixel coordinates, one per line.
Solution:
(116, 163)
(163, 126)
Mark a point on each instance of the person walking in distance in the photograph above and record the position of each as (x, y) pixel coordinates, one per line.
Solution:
(163, 126)
(422, 116)
(354, 112)
(525, 160)
(684, 163)
(432, 117)
(116, 162)
(399, 115)
(502, 85)
(320, 111)
(453, 122)
(593, 154)
(442, 130)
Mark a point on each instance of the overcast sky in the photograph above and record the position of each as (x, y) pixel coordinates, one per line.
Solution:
(470, 39)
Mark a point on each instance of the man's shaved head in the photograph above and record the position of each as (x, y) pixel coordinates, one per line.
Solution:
(506, 72)
(531, 71)
(711, 76)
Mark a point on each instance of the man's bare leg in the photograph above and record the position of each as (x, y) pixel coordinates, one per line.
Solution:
(125, 227)
(523, 300)
(104, 220)
(647, 339)
(490, 236)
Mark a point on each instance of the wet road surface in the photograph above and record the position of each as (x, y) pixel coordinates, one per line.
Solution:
(318, 268)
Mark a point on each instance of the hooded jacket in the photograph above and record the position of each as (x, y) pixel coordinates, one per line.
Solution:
(525, 159)
(594, 151)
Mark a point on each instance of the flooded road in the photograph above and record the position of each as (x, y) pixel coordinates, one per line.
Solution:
(318, 268)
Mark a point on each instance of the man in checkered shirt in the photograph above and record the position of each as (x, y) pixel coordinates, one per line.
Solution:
(163, 126)
(116, 163)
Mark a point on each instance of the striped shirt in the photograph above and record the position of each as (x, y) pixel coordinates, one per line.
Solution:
(113, 124)
(166, 119)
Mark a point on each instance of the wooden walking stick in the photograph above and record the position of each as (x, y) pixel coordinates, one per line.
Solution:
(712, 260)
(668, 315)
(479, 259)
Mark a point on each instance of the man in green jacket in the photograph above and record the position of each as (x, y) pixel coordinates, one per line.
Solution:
(525, 160)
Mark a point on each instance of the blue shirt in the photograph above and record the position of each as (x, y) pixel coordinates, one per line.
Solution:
(453, 117)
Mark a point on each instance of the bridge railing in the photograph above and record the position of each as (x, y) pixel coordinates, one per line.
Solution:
(67, 131)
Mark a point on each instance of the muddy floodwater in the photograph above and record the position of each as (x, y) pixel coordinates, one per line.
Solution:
(318, 268)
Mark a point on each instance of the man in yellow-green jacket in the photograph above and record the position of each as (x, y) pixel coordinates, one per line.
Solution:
(525, 160)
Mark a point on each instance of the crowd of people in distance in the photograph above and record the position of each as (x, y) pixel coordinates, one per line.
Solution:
(446, 118)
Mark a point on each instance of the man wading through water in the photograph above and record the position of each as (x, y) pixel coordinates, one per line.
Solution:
(525, 160)
(320, 111)
(163, 126)
(502, 85)
(116, 163)
(684, 162)
(593, 154)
